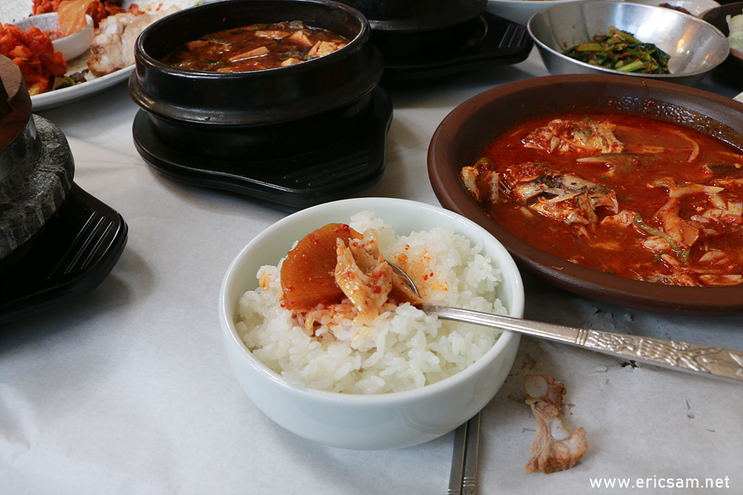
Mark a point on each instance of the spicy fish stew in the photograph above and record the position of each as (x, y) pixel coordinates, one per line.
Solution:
(637, 197)
(256, 47)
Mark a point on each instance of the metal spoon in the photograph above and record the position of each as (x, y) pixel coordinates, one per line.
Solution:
(681, 356)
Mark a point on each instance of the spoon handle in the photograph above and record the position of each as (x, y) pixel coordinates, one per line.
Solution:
(682, 356)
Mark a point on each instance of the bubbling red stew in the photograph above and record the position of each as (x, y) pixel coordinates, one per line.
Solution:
(629, 195)
(256, 47)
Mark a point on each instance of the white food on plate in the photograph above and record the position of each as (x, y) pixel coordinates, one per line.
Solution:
(112, 47)
(404, 349)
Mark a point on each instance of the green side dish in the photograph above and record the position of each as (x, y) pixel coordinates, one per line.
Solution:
(621, 51)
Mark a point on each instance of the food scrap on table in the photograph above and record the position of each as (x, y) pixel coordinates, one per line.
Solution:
(556, 448)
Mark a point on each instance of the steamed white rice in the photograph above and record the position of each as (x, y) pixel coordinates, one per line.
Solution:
(405, 349)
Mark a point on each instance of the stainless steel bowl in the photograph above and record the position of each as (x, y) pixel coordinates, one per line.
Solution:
(695, 46)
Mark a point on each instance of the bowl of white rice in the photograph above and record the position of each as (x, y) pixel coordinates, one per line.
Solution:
(396, 380)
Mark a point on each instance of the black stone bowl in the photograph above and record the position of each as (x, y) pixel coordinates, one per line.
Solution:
(405, 30)
(260, 114)
(417, 15)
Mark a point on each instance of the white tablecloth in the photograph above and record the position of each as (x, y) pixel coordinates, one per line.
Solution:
(127, 390)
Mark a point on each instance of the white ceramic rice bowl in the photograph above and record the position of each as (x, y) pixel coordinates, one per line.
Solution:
(368, 422)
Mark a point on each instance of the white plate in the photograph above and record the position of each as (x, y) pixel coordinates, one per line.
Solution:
(14, 10)
(92, 86)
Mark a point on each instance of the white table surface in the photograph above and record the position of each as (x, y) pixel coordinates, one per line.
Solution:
(127, 390)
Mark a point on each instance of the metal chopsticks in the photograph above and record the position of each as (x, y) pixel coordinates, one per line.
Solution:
(472, 448)
(463, 477)
(456, 478)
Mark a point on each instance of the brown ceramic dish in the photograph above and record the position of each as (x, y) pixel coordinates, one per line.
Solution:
(733, 65)
(462, 135)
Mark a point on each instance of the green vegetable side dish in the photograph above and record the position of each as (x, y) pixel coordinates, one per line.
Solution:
(621, 51)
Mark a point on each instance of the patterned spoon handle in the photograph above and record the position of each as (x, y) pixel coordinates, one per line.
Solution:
(682, 356)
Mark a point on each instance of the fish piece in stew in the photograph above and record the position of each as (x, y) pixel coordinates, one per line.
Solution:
(583, 137)
(335, 272)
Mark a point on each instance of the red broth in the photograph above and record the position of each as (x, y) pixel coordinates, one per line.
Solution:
(256, 47)
(663, 205)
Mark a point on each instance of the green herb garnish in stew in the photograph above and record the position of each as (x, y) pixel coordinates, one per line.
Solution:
(621, 51)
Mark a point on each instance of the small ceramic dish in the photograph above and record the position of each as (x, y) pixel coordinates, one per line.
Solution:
(379, 421)
(71, 46)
